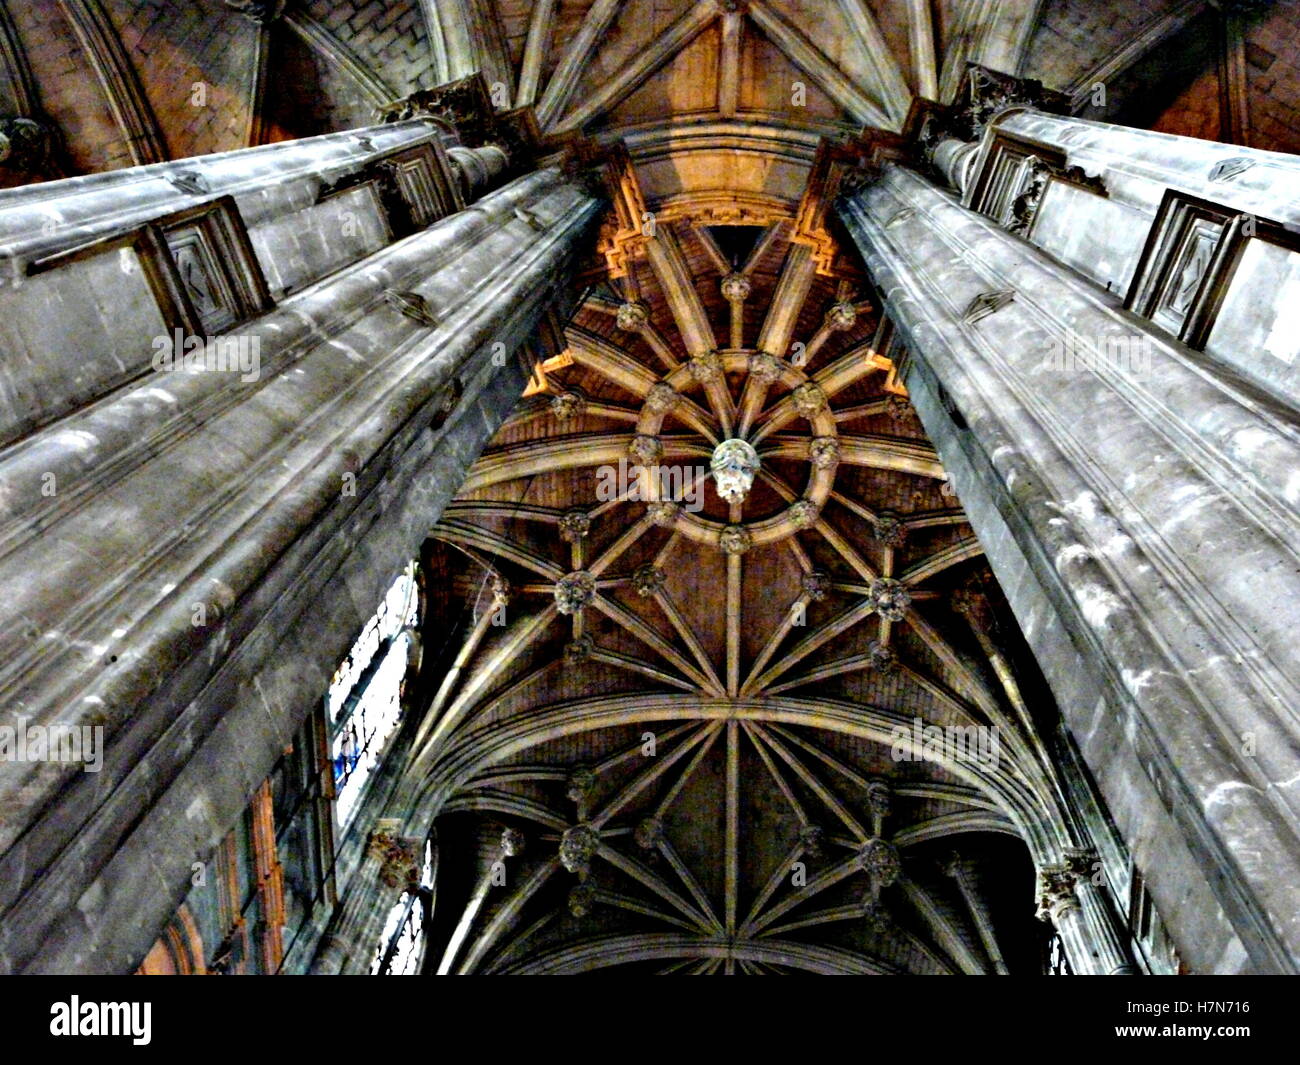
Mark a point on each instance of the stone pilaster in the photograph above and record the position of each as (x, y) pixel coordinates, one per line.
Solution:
(1161, 611)
(357, 427)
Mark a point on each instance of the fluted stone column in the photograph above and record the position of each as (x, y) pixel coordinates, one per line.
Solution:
(1059, 904)
(1142, 519)
(215, 542)
(1107, 941)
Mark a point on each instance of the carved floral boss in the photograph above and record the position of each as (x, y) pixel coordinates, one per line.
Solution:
(736, 460)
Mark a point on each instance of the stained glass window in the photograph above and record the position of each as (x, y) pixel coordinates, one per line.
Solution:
(400, 947)
(363, 705)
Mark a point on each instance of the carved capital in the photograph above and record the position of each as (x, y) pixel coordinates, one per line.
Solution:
(398, 856)
(1056, 895)
(466, 104)
(985, 93)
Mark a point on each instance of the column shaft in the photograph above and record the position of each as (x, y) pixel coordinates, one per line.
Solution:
(1147, 549)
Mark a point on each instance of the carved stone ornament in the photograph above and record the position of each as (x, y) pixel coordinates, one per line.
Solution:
(890, 530)
(581, 783)
(25, 144)
(880, 859)
(736, 288)
(398, 857)
(803, 513)
(465, 103)
(735, 463)
(575, 525)
(735, 540)
(1227, 169)
(889, 598)
(812, 837)
(512, 843)
(880, 797)
(578, 651)
(809, 400)
(649, 833)
(876, 915)
(824, 452)
(648, 580)
(262, 12)
(842, 316)
(647, 450)
(1056, 895)
(633, 316)
(816, 585)
(500, 590)
(706, 368)
(884, 659)
(582, 900)
(661, 398)
(574, 591)
(664, 513)
(986, 304)
(577, 846)
(898, 408)
(568, 405)
(764, 368)
(986, 93)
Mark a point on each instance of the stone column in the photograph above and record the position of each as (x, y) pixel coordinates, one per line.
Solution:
(391, 865)
(1108, 940)
(1058, 904)
(1142, 519)
(216, 541)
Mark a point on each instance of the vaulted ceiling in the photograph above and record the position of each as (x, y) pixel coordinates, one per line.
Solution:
(684, 714)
